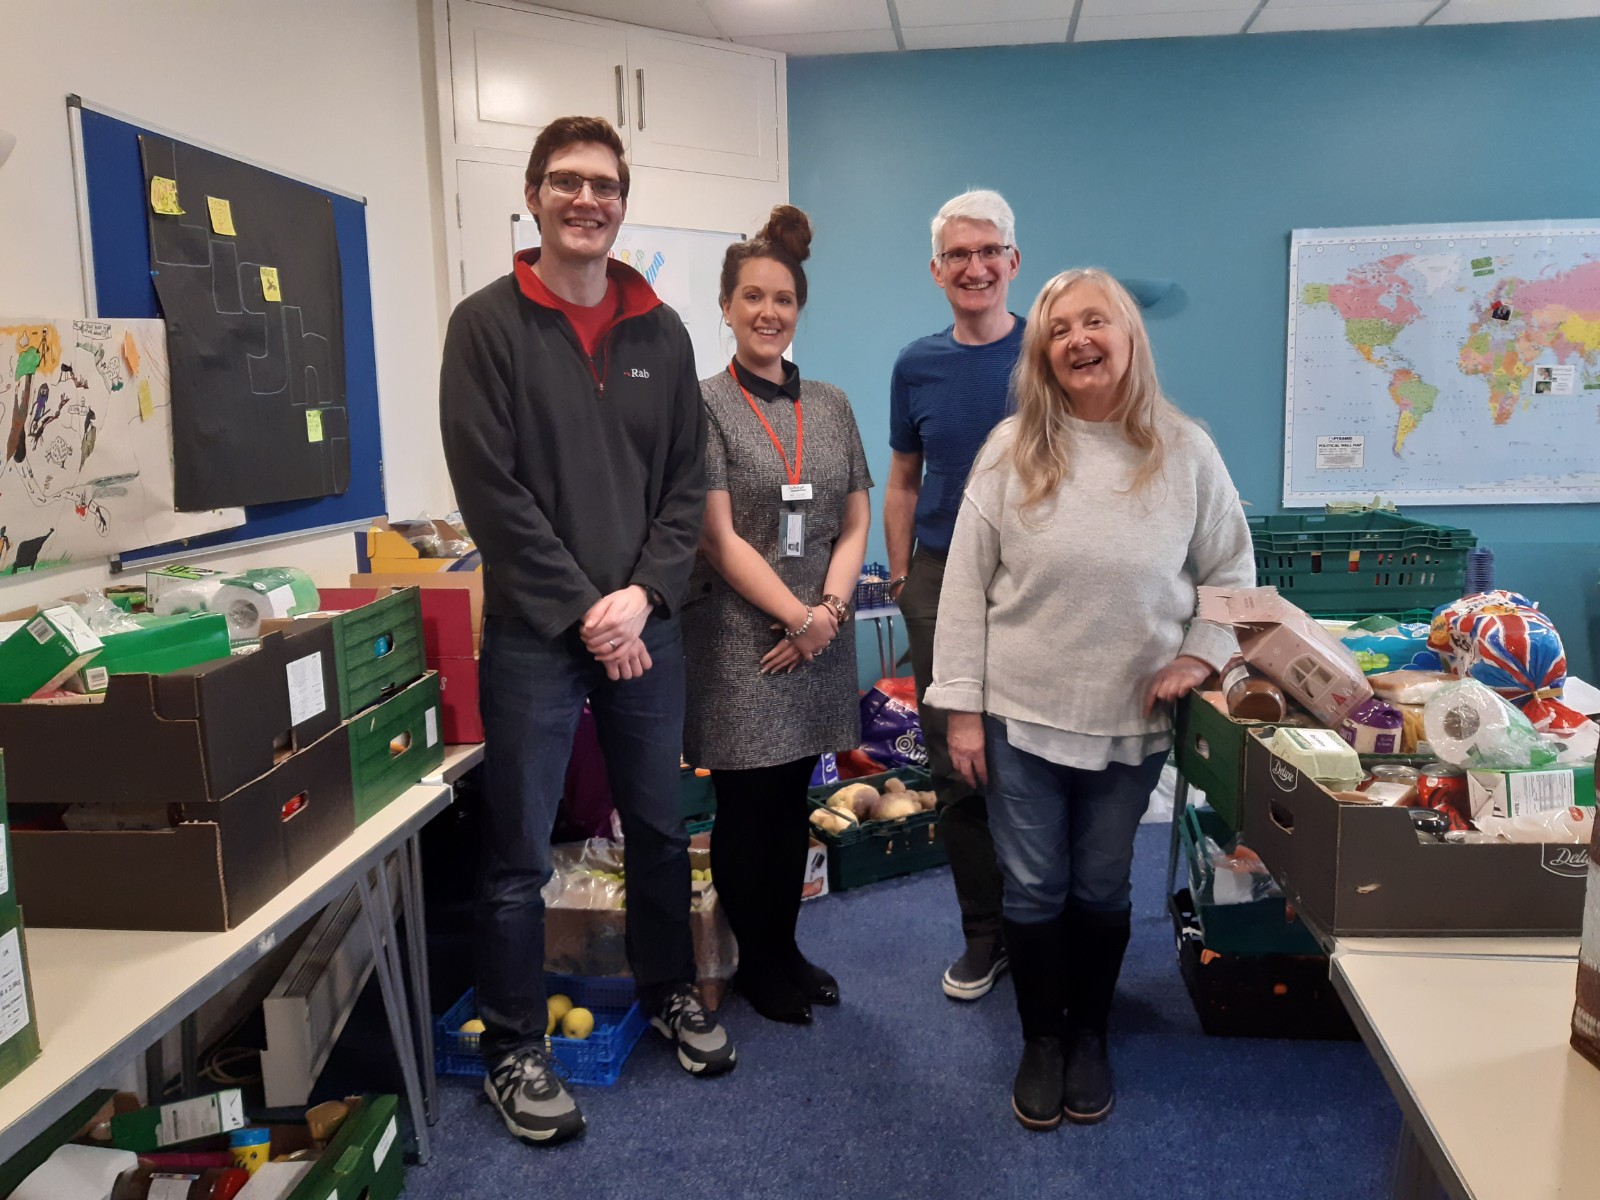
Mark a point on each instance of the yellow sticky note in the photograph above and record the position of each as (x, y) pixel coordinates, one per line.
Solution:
(221, 216)
(130, 352)
(164, 196)
(269, 284)
(147, 406)
(313, 424)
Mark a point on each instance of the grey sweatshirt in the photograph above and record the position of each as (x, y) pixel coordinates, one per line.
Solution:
(1063, 613)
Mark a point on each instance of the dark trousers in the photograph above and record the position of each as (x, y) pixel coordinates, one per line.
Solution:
(533, 690)
(758, 858)
(963, 811)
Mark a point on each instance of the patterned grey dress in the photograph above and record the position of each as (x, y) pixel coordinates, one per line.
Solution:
(738, 718)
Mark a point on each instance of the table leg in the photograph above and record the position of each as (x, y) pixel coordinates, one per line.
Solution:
(894, 659)
(189, 1061)
(378, 908)
(417, 947)
(1413, 1178)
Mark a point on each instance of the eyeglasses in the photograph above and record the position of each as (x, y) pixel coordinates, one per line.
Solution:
(570, 183)
(985, 254)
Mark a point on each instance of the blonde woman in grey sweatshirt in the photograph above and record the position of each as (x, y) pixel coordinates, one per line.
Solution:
(1066, 632)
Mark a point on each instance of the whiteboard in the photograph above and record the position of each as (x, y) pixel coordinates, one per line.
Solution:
(684, 266)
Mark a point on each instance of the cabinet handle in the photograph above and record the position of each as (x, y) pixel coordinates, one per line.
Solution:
(622, 116)
(639, 78)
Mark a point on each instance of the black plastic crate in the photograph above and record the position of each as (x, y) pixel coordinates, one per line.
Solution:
(1255, 995)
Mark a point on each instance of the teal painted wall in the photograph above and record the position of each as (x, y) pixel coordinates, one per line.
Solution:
(1191, 160)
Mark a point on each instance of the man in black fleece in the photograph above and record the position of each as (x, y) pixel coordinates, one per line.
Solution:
(575, 440)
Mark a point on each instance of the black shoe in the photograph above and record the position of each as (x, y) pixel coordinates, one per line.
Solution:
(773, 995)
(1036, 1095)
(972, 975)
(817, 985)
(531, 1099)
(1086, 1089)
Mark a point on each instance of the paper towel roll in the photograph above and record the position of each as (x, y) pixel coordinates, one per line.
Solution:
(250, 597)
(1468, 725)
(76, 1173)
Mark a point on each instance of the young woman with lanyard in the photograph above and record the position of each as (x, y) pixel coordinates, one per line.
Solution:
(769, 690)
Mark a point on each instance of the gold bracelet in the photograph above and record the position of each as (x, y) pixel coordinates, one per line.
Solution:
(841, 612)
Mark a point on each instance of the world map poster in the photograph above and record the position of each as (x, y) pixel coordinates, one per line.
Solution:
(1444, 364)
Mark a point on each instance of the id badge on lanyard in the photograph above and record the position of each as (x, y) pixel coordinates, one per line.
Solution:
(791, 521)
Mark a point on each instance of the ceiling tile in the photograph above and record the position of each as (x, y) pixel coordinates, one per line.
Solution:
(964, 12)
(1158, 25)
(675, 16)
(990, 33)
(1134, 8)
(1334, 5)
(855, 41)
(1274, 19)
(741, 19)
(1468, 12)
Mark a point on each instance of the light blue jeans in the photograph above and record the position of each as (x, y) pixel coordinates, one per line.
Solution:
(1063, 834)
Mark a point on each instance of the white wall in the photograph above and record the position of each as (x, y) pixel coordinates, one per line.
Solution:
(338, 91)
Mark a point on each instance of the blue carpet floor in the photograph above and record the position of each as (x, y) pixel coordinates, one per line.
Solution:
(902, 1093)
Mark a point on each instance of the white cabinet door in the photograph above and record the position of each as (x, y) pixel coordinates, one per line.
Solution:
(514, 72)
(698, 108)
(488, 195)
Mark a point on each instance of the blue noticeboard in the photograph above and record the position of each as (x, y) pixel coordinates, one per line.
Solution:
(117, 245)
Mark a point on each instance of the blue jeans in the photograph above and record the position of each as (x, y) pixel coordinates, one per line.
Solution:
(532, 691)
(1063, 835)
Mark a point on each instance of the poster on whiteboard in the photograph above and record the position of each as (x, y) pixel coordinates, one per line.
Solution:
(683, 265)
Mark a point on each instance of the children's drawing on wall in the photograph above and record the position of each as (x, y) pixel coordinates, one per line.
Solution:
(87, 473)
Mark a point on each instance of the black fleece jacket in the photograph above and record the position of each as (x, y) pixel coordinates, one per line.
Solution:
(576, 476)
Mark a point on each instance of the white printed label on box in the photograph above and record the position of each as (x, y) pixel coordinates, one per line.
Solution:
(1343, 453)
(97, 678)
(381, 1150)
(41, 630)
(282, 600)
(204, 1116)
(13, 987)
(171, 1187)
(1518, 793)
(431, 718)
(5, 864)
(306, 695)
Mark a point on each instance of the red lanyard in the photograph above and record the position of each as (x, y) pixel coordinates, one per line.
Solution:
(799, 431)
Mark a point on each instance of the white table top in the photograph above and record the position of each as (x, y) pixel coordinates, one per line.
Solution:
(1564, 948)
(103, 995)
(458, 760)
(1476, 1052)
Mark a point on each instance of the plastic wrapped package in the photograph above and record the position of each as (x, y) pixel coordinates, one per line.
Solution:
(586, 875)
(1238, 876)
(1469, 725)
(103, 616)
(1384, 644)
(1451, 632)
(1572, 825)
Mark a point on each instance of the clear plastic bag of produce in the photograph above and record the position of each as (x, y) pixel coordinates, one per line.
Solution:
(587, 875)
(1237, 876)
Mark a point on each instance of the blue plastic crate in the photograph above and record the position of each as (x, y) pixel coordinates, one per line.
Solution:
(873, 593)
(619, 1022)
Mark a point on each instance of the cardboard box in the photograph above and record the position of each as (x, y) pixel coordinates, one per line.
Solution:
(159, 645)
(215, 864)
(394, 744)
(461, 720)
(1519, 793)
(383, 549)
(197, 734)
(1360, 870)
(49, 648)
(378, 645)
(159, 1127)
(579, 941)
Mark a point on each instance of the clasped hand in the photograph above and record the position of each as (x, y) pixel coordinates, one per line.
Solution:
(789, 653)
(611, 631)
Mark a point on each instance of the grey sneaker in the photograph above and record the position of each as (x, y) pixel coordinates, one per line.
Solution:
(972, 975)
(532, 1100)
(703, 1045)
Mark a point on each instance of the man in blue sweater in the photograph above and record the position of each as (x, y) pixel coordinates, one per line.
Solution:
(947, 392)
(575, 438)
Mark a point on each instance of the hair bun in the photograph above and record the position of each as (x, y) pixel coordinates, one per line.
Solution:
(790, 229)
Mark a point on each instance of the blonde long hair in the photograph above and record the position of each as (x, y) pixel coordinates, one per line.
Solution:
(1041, 449)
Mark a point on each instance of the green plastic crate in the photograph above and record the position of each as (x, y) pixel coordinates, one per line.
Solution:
(365, 1159)
(379, 649)
(1266, 926)
(696, 796)
(1210, 753)
(880, 850)
(394, 744)
(1361, 563)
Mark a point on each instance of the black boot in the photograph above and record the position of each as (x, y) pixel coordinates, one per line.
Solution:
(1094, 946)
(1036, 1096)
